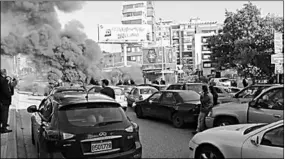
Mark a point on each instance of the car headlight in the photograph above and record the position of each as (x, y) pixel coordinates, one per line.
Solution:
(67, 136)
(129, 129)
(210, 113)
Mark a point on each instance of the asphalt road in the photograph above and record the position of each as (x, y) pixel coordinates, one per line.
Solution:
(159, 139)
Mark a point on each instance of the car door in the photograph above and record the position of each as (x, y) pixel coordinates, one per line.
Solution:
(165, 107)
(37, 120)
(152, 102)
(271, 144)
(269, 107)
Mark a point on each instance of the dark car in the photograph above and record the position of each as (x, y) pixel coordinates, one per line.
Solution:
(68, 125)
(250, 92)
(178, 106)
(197, 87)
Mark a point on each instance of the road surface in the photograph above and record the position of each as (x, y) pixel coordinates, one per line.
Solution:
(159, 139)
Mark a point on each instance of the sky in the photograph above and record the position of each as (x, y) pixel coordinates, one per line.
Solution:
(109, 12)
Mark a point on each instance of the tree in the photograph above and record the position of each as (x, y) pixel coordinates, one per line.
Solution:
(245, 37)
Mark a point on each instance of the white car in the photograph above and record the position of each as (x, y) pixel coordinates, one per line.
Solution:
(222, 82)
(120, 96)
(139, 93)
(240, 141)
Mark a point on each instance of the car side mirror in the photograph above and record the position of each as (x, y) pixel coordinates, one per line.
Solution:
(254, 140)
(32, 109)
(150, 101)
(252, 104)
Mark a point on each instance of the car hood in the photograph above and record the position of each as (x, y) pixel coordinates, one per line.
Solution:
(231, 105)
(145, 96)
(229, 133)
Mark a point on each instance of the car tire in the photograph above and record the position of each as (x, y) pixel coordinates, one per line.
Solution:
(129, 104)
(208, 152)
(177, 120)
(139, 112)
(32, 134)
(225, 121)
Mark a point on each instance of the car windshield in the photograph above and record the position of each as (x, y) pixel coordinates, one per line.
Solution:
(195, 87)
(189, 96)
(251, 92)
(248, 130)
(118, 91)
(224, 80)
(147, 90)
(175, 87)
(94, 115)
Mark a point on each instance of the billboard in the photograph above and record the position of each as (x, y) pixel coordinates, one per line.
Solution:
(154, 57)
(124, 33)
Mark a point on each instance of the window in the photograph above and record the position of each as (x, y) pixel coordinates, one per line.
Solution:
(137, 13)
(47, 109)
(205, 48)
(133, 49)
(138, 5)
(250, 92)
(128, 6)
(168, 98)
(207, 64)
(155, 97)
(133, 58)
(189, 47)
(273, 99)
(274, 138)
(206, 56)
(218, 90)
(204, 39)
(128, 49)
(147, 91)
(135, 92)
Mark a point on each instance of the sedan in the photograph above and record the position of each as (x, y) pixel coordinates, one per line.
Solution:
(178, 106)
(120, 96)
(139, 93)
(239, 141)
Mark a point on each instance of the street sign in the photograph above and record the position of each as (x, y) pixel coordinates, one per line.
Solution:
(277, 58)
(278, 43)
(279, 69)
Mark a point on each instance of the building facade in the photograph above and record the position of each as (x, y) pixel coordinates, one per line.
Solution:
(138, 12)
(163, 32)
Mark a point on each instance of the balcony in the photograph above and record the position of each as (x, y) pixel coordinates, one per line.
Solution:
(134, 18)
(143, 9)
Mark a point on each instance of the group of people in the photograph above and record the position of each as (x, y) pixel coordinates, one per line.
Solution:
(6, 92)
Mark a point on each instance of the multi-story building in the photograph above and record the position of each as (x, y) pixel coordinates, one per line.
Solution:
(163, 32)
(183, 39)
(138, 12)
(202, 54)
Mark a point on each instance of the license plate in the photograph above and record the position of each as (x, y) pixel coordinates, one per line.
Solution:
(102, 146)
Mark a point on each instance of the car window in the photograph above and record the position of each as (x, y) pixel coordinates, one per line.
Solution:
(195, 87)
(92, 115)
(155, 97)
(175, 87)
(168, 98)
(272, 99)
(250, 92)
(232, 90)
(147, 91)
(47, 109)
(136, 92)
(274, 138)
(189, 96)
(118, 91)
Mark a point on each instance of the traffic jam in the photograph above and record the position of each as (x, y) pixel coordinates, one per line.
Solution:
(81, 122)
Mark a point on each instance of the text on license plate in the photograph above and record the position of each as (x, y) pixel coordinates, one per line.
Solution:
(102, 146)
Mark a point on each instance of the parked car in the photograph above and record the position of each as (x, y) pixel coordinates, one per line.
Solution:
(222, 81)
(73, 126)
(139, 93)
(158, 87)
(250, 92)
(225, 94)
(127, 88)
(197, 87)
(239, 141)
(120, 96)
(178, 106)
(267, 107)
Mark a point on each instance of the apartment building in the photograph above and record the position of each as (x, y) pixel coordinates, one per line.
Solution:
(138, 12)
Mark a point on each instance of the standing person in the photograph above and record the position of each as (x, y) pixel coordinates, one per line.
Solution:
(6, 93)
(244, 82)
(213, 92)
(206, 105)
(107, 90)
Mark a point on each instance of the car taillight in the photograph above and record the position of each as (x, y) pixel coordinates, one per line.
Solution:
(67, 136)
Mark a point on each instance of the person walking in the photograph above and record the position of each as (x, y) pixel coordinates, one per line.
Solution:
(6, 93)
(162, 82)
(206, 105)
(213, 92)
(107, 90)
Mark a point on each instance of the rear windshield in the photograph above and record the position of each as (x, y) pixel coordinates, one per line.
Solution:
(189, 96)
(224, 80)
(175, 87)
(195, 87)
(147, 90)
(92, 114)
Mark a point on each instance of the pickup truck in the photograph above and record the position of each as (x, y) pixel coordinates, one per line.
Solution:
(267, 107)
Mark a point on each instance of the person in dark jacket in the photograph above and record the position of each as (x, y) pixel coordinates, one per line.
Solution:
(162, 82)
(6, 93)
(107, 90)
(244, 82)
(206, 105)
(213, 92)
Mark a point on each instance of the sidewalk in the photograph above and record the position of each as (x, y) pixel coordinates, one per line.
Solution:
(9, 140)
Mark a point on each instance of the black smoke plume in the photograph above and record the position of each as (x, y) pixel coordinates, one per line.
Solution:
(33, 28)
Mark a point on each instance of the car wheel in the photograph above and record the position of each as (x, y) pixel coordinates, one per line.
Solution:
(139, 113)
(208, 152)
(129, 104)
(225, 121)
(32, 134)
(177, 120)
